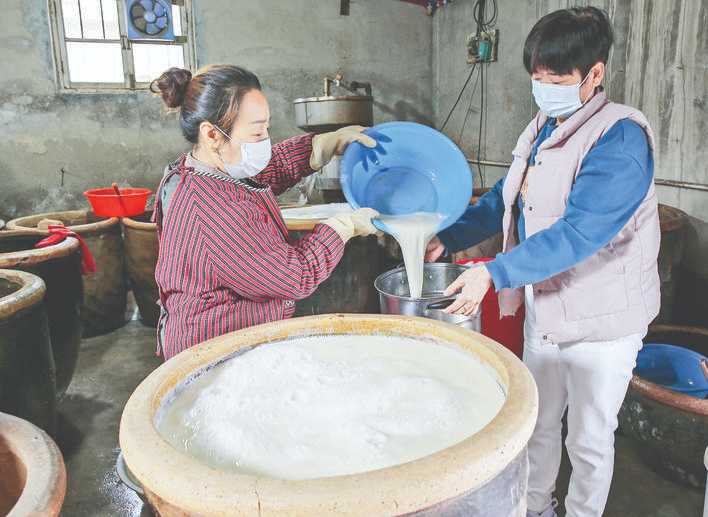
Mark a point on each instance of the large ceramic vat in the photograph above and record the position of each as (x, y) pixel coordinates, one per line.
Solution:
(59, 266)
(105, 290)
(484, 474)
(32, 472)
(672, 222)
(27, 376)
(140, 259)
(671, 427)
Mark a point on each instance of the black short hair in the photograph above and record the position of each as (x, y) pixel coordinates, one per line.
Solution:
(567, 40)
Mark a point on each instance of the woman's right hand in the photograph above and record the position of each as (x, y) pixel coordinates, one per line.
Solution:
(434, 249)
(353, 224)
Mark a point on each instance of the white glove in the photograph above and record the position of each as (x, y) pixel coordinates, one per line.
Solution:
(326, 145)
(353, 224)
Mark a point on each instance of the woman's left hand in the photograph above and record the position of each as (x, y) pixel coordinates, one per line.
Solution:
(473, 284)
(326, 145)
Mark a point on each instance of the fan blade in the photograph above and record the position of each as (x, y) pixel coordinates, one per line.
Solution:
(159, 9)
(147, 4)
(141, 25)
(136, 11)
(161, 22)
(152, 29)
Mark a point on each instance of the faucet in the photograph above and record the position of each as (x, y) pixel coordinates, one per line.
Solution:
(352, 86)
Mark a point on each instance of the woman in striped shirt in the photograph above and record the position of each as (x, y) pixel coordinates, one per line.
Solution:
(226, 261)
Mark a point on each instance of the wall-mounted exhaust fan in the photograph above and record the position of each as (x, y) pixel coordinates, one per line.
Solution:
(149, 19)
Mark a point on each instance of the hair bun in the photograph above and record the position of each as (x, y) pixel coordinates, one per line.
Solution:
(172, 86)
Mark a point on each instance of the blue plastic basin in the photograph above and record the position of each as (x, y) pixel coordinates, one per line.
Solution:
(673, 367)
(414, 168)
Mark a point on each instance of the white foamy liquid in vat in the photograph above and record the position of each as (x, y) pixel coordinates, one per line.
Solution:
(316, 211)
(332, 405)
(413, 232)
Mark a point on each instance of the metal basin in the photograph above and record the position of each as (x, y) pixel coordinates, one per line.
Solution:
(322, 114)
(394, 298)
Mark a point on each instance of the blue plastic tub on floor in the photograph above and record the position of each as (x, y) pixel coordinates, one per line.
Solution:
(674, 368)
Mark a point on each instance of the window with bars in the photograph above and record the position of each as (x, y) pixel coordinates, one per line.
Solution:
(93, 50)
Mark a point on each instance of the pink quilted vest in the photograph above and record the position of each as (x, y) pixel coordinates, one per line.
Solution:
(613, 293)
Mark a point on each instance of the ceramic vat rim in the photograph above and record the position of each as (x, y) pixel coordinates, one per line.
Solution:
(104, 223)
(44, 463)
(134, 224)
(395, 490)
(673, 218)
(31, 292)
(34, 256)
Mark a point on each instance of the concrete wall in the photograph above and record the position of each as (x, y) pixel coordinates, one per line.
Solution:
(510, 105)
(662, 68)
(128, 137)
(659, 64)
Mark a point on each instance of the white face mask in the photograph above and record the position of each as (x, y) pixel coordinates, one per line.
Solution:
(255, 157)
(558, 100)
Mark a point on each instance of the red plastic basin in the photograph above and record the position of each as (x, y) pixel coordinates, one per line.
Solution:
(106, 203)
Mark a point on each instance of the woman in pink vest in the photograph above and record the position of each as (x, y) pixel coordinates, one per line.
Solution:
(226, 260)
(581, 236)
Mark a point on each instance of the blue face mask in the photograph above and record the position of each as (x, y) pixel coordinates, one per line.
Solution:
(557, 100)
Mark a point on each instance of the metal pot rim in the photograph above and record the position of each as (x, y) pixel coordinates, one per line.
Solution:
(429, 265)
(330, 98)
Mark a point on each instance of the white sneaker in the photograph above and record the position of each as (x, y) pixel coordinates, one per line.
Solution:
(548, 512)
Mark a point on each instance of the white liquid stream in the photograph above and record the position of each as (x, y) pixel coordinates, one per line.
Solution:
(413, 233)
(326, 406)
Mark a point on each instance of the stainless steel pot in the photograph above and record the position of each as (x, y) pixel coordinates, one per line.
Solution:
(394, 294)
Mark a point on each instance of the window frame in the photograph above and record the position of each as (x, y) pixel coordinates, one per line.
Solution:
(61, 62)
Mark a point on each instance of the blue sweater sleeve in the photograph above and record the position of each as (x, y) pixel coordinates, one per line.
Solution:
(480, 221)
(614, 179)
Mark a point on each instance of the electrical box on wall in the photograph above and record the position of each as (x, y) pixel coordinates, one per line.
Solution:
(482, 47)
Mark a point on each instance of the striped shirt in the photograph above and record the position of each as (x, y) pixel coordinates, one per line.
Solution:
(226, 261)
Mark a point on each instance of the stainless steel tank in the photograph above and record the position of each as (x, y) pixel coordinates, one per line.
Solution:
(331, 112)
(323, 114)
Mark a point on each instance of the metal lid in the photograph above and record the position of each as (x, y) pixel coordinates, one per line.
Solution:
(331, 98)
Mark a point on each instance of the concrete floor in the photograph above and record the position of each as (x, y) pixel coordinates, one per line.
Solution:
(111, 366)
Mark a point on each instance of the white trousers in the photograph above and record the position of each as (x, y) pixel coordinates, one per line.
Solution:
(590, 380)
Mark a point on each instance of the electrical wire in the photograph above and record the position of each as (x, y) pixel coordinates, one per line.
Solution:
(481, 125)
(457, 101)
(486, 119)
(469, 110)
(479, 12)
(484, 24)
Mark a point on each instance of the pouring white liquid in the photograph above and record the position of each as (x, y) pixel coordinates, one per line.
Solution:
(413, 233)
(324, 406)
